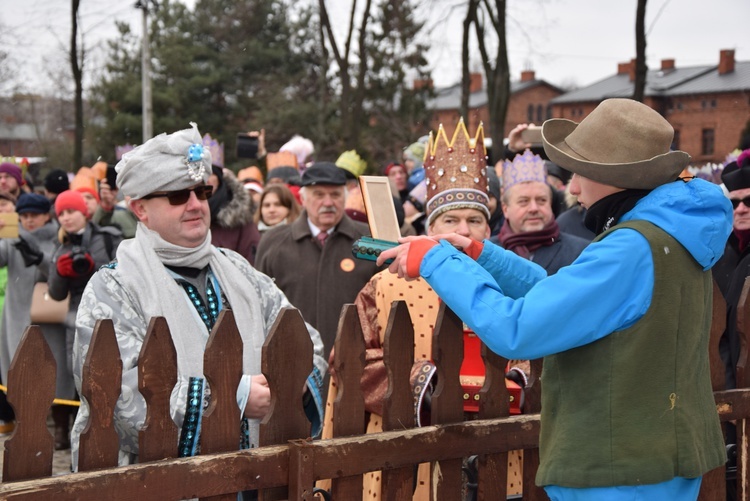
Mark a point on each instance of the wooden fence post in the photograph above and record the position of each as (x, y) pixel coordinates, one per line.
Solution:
(222, 367)
(100, 385)
(31, 390)
(493, 403)
(447, 399)
(349, 406)
(157, 377)
(286, 363)
(743, 381)
(398, 406)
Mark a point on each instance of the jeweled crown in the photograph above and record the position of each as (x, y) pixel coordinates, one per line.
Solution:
(456, 172)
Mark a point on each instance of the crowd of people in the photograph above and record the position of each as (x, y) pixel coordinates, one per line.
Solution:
(576, 251)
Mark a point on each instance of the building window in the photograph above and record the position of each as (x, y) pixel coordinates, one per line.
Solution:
(549, 111)
(530, 113)
(707, 142)
(676, 140)
(539, 114)
(713, 104)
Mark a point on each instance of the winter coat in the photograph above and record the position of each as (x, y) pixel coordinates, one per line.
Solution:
(232, 227)
(318, 281)
(520, 312)
(16, 310)
(106, 296)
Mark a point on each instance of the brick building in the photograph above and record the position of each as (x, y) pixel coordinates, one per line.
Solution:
(708, 106)
(529, 102)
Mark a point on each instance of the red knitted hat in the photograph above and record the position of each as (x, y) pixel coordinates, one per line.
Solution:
(90, 191)
(70, 200)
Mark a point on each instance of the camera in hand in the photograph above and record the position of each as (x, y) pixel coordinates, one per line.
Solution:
(81, 263)
(247, 146)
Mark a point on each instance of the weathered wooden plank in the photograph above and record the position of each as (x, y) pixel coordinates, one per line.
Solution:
(101, 381)
(349, 406)
(398, 406)
(157, 376)
(301, 471)
(268, 466)
(31, 390)
(222, 367)
(286, 363)
(179, 478)
(447, 399)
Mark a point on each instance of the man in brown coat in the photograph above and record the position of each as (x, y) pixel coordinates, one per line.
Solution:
(311, 259)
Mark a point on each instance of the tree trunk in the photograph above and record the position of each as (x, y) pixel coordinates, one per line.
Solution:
(471, 13)
(641, 69)
(76, 66)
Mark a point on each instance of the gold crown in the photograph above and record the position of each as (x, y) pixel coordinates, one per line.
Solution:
(351, 162)
(456, 172)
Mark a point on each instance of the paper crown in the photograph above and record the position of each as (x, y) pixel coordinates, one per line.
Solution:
(352, 163)
(281, 159)
(524, 168)
(456, 172)
(216, 148)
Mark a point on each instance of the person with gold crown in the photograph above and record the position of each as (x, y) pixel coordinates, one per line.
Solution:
(457, 203)
(636, 303)
(530, 229)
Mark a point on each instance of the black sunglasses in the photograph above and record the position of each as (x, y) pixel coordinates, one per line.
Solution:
(736, 202)
(180, 197)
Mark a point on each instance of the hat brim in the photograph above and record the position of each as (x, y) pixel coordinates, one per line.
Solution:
(644, 174)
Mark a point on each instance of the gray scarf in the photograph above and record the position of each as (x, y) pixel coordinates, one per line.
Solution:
(141, 261)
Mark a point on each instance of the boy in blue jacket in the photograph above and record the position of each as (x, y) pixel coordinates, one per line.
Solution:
(627, 406)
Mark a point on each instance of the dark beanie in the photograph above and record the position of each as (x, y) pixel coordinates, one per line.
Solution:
(736, 175)
(32, 202)
(56, 181)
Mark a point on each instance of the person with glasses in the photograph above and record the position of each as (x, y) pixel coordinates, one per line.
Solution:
(171, 269)
(730, 272)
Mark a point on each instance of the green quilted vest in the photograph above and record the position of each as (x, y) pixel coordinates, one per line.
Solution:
(636, 407)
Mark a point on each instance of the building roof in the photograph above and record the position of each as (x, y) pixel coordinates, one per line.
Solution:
(449, 98)
(660, 83)
(18, 132)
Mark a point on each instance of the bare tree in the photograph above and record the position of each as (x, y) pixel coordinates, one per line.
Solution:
(352, 96)
(641, 70)
(471, 14)
(76, 65)
(486, 15)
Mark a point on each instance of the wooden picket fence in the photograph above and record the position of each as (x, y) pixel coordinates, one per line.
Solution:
(288, 462)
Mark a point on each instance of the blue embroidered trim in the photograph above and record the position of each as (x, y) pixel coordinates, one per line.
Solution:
(208, 312)
(188, 445)
(314, 409)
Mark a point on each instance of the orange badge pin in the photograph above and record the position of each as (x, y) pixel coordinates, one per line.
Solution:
(347, 265)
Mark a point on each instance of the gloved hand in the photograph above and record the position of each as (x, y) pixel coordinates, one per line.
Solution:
(66, 267)
(30, 254)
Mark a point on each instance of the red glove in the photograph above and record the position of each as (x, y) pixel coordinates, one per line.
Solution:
(82, 268)
(419, 248)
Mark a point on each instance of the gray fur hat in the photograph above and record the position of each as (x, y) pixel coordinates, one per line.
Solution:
(167, 162)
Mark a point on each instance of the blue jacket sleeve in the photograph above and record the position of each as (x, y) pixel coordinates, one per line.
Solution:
(608, 288)
(513, 274)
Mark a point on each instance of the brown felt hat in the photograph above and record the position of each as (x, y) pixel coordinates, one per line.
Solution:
(622, 143)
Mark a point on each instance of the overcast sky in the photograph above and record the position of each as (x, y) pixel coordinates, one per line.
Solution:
(565, 41)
